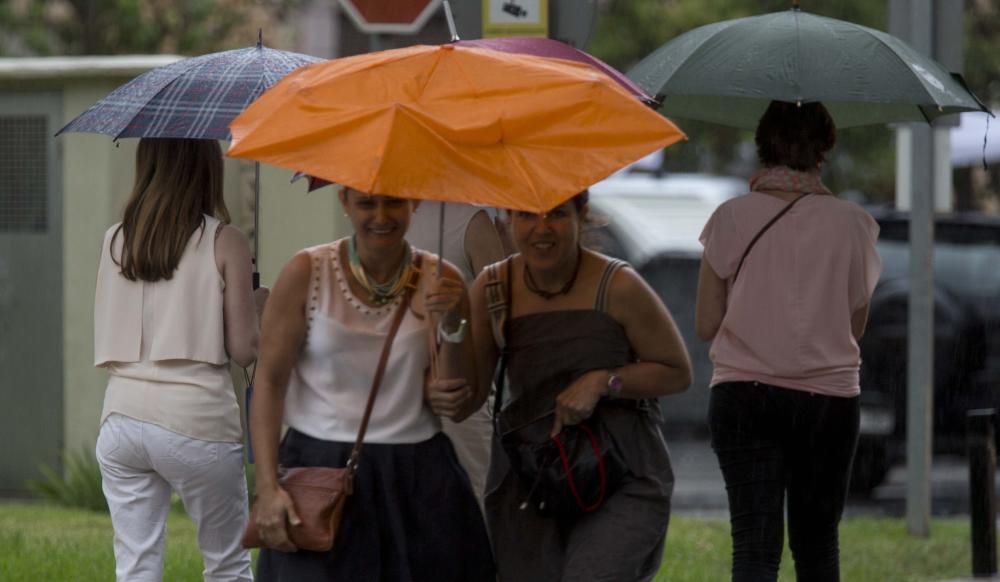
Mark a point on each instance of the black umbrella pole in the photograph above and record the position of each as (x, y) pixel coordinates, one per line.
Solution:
(440, 239)
(256, 225)
(982, 490)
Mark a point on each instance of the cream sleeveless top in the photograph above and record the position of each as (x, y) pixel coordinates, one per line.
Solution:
(330, 383)
(163, 343)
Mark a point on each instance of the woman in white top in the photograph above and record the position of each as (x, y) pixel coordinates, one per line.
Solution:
(412, 515)
(173, 306)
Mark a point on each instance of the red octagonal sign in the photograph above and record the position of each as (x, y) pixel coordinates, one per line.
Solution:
(390, 16)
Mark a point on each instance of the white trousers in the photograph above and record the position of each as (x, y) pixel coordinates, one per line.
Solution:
(472, 439)
(140, 464)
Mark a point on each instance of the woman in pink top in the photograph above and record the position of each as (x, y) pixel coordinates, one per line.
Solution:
(786, 279)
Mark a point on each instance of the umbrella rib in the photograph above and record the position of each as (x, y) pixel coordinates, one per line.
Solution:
(201, 62)
(204, 117)
(370, 189)
(526, 178)
(180, 71)
(877, 36)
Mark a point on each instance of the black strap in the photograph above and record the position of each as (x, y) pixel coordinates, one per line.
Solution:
(753, 241)
(601, 303)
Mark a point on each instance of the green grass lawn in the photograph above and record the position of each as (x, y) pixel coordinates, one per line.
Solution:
(48, 543)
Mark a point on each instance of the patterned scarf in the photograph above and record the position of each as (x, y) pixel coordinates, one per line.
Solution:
(785, 179)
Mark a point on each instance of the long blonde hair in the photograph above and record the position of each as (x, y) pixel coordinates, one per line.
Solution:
(176, 182)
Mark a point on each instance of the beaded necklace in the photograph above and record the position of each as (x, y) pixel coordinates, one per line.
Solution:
(380, 293)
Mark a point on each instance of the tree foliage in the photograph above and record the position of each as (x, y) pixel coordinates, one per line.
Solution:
(106, 27)
(864, 158)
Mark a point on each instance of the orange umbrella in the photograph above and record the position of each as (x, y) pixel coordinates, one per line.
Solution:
(452, 123)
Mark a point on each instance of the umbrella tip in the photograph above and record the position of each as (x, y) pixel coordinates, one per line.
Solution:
(260, 38)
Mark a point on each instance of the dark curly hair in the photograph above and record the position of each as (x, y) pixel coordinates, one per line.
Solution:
(794, 135)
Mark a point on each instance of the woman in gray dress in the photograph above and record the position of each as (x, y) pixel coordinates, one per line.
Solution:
(583, 335)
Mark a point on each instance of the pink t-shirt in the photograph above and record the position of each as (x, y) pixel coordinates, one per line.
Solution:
(788, 317)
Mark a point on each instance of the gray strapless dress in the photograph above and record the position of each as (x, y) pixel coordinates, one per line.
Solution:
(621, 541)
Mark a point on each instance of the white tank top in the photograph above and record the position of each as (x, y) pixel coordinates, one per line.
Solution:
(330, 383)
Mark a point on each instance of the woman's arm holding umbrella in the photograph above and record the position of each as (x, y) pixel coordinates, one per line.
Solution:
(453, 389)
(232, 257)
(283, 331)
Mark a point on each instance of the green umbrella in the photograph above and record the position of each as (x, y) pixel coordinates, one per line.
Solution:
(727, 72)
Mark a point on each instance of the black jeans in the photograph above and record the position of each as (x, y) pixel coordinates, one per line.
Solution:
(772, 440)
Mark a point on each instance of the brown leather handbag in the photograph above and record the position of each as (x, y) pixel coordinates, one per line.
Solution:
(319, 493)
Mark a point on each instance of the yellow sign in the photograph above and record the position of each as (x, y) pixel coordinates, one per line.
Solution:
(515, 18)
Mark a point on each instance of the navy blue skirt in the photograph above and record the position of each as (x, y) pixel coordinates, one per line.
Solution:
(412, 517)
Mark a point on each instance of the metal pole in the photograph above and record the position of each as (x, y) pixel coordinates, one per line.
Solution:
(256, 206)
(920, 372)
(982, 490)
(440, 239)
(256, 225)
(451, 21)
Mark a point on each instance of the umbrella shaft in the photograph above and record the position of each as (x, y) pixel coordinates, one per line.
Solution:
(256, 215)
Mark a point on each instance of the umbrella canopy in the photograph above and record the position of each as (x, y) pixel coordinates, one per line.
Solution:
(192, 98)
(452, 123)
(547, 47)
(728, 72)
(539, 47)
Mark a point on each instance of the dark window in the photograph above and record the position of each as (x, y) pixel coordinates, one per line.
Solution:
(24, 173)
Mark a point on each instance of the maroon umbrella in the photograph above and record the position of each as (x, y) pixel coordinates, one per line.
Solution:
(547, 47)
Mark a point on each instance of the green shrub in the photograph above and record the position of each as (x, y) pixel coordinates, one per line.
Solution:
(78, 485)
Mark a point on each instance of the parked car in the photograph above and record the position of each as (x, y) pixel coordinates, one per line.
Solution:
(966, 337)
(654, 224)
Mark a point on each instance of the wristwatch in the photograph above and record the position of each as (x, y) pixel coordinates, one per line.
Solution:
(615, 384)
(454, 337)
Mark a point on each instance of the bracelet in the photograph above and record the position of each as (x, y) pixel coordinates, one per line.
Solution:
(615, 384)
(454, 337)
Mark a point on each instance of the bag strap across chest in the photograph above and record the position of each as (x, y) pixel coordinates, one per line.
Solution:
(383, 359)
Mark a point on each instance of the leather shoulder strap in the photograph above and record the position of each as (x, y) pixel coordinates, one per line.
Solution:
(770, 223)
(383, 359)
(497, 294)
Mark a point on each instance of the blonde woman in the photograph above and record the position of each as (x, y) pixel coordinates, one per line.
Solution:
(412, 515)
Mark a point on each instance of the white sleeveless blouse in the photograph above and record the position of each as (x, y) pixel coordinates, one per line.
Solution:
(330, 383)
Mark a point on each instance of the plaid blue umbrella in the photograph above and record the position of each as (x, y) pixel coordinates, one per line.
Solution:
(192, 98)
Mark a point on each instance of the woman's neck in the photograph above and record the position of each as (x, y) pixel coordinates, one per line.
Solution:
(381, 265)
(556, 278)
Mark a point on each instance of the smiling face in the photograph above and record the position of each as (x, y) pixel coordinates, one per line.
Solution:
(379, 221)
(548, 241)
